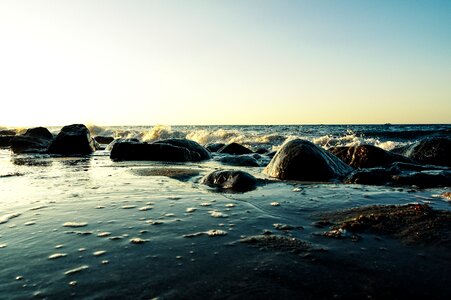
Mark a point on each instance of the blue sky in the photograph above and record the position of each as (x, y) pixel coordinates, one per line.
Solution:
(224, 62)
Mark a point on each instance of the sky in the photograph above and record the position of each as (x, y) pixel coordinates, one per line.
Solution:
(171, 62)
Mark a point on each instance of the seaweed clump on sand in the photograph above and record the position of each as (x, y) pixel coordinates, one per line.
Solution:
(278, 243)
(412, 223)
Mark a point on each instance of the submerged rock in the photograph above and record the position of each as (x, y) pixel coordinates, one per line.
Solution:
(73, 140)
(152, 152)
(239, 160)
(277, 243)
(433, 151)
(34, 140)
(174, 173)
(235, 149)
(413, 223)
(366, 156)
(231, 180)
(192, 146)
(303, 160)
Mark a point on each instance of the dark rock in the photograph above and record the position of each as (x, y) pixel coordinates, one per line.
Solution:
(231, 180)
(152, 152)
(174, 173)
(303, 160)
(235, 148)
(413, 223)
(9, 132)
(261, 151)
(39, 132)
(104, 139)
(73, 140)
(5, 141)
(214, 147)
(192, 146)
(434, 151)
(399, 174)
(366, 156)
(121, 140)
(240, 160)
(35, 140)
(271, 154)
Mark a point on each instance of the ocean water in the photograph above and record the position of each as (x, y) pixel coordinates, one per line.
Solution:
(91, 228)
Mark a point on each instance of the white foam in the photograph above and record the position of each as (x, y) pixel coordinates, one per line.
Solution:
(7, 217)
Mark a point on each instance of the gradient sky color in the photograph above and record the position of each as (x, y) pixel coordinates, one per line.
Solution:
(224, 62)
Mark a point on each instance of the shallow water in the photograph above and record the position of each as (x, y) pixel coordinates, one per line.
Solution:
(88, 227)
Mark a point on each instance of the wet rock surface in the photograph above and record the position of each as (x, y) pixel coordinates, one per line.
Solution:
(303, 160)
(152, 152)
(399, 174)
(230, 180)
(73, 140)
(214, 147)
(412, 223)
(434, 151)
(235, 148)
(239, 160)
(278, 243)
(366, 156)
(190, 145)
(34, 140)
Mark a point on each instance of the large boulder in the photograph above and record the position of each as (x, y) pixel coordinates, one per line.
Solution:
(120, 140)
(153, 152)
(303, 160)
(188, 144)
(34, 140)
(366, 156)
(230, 180)
(433, 151)
(73, 140)
(235, 148)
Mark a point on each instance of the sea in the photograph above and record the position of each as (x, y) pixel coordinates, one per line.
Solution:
(92, 228)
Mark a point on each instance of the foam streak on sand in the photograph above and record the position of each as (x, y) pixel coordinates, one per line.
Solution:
(76, 270)
(7, 217)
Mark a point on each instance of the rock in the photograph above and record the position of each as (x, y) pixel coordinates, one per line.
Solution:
(73, 140)
(434, 151)
(34, 140)
(103, 139)
(121, 140)
(214, 147)
(192, 146)
(400, 174)
(271, 154)
(235, 148)
(412, 223)
(240, 160)
(303, 160)
(5, 140)
(39, 132)
(152, 152)
(9, 132)
(366, 156)
(231, 180)
(261, 151)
